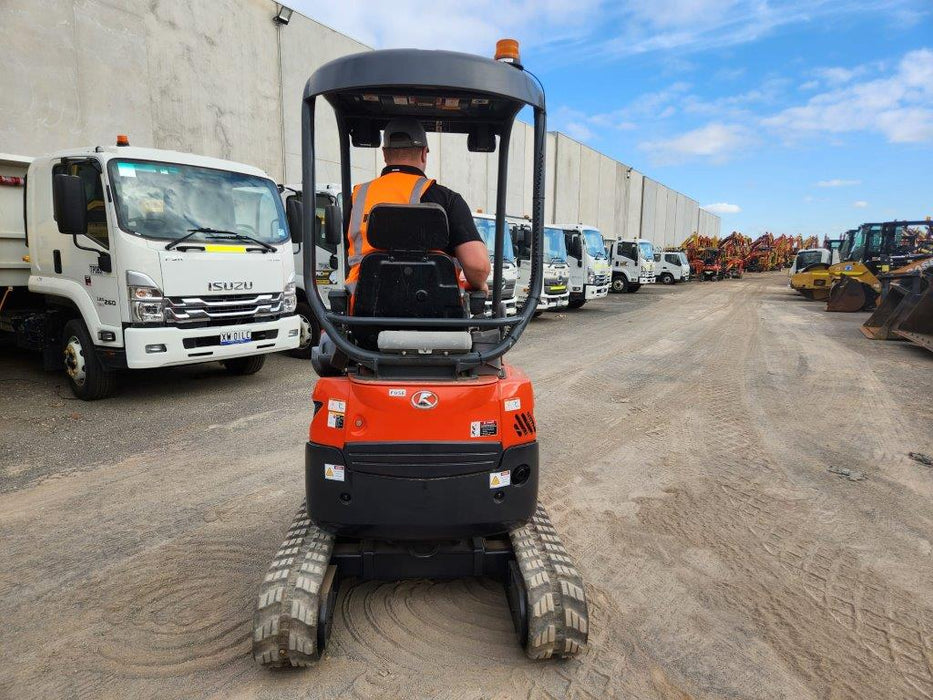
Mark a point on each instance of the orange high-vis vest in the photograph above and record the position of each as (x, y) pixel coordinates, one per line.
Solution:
(391, 188)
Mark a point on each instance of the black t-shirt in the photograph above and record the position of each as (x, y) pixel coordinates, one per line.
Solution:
(459, 218)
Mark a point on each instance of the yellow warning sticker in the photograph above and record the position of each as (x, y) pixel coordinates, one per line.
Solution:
(499, 479)
(334, 472)
(215, 248)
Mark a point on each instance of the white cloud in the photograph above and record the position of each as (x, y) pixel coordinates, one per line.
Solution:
(715, 141)
(838, 183)
(899, 106)
(860, 204)
(722, 208)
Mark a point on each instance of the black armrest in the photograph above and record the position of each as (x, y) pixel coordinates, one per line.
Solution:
(477, 303)
(338, 301)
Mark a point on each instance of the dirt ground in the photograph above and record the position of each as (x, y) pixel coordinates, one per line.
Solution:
(686, 438)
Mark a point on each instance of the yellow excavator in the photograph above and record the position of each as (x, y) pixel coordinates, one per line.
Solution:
(813, 281)
(875, 249)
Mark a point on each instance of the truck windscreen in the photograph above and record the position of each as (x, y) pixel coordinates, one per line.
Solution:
(595, 245)
(647, 250)
(167, 200)
(555, 248)
(487, 229)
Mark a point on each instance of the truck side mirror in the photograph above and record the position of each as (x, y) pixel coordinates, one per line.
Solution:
(333, 227)
(293, 215)
(105, 262)
(576, 249)
(69, 204)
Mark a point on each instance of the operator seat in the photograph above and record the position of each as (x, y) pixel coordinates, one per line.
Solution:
(408, 275)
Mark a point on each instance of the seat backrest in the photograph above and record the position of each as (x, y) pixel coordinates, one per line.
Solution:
(409, 275)
(408, 227)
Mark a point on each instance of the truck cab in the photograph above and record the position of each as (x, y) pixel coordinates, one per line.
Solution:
(141, 258)
(632, 263)
(486, 225)
(330, 272)
(554, 292)
(671, 267)
(589, 264)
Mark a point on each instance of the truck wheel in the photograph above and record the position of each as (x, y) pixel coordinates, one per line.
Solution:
(87, 376)
(576, 303)
(310, 332)
(242, 366)
(618, 284)
(667, 278)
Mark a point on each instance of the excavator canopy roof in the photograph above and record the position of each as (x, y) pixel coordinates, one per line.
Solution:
(445, 90)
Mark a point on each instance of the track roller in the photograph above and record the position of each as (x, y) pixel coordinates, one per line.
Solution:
(297, 597)
(546, 593)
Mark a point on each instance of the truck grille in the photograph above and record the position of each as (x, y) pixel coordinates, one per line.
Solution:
(508, 289)
(223, 309)
(600, 280)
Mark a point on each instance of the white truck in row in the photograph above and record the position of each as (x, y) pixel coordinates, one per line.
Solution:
(671, 267)
(115, 257)
(632, 263)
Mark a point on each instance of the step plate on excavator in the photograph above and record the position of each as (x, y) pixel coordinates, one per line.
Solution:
(290, 626)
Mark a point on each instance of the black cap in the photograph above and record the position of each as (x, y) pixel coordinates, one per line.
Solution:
(404, 133)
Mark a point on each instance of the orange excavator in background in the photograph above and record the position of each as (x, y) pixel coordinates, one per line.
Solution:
(758, 258)
(733, 249)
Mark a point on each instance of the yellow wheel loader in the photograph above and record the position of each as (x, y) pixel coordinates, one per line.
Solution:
(876, 249)
(813, 281)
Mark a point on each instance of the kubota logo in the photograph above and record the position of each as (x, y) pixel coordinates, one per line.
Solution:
(424, 399)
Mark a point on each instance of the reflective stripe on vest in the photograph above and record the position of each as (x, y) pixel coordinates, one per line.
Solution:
(391, 188)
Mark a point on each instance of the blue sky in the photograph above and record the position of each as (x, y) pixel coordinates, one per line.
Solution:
(788, 116)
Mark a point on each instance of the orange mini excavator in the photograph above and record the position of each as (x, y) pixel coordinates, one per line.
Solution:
(422, 457)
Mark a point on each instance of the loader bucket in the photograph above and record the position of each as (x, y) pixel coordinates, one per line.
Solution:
(916, 324)
(895, 303)
(848, 295)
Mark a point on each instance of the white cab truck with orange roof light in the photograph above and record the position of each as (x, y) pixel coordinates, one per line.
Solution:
(116, 257)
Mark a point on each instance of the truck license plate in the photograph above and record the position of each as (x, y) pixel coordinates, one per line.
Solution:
(234, 337)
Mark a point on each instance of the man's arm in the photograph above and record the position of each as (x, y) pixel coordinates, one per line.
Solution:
(474, 259)
(468, 245)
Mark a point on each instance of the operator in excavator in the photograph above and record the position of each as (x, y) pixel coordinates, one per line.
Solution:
(405, 149)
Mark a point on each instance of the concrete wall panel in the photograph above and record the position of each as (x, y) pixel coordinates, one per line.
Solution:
(220, 78)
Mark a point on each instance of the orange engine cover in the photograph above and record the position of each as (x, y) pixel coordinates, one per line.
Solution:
(485, 409)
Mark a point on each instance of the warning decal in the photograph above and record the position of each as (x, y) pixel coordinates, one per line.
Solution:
(484, 428)
(337, 405)
(334, 472)
(513, 404)
(334, 419)
(499, 479)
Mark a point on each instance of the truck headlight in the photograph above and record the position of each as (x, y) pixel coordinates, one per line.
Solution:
(289, 298)
(147, 305)
(591, 278)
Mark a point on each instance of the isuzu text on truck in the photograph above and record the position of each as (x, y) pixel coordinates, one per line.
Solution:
(138, 258)
(589, 264)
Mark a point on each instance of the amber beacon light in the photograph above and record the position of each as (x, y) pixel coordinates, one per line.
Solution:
(507, 52)
(123, 140)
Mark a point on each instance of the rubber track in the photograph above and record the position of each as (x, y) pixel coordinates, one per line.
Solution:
(285, 621)
(558, 619)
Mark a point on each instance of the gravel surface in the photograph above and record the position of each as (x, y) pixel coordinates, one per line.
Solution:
(687, 440)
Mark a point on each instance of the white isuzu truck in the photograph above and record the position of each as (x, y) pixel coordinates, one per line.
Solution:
(589, 264)
(632, 264)
(671, 266)
(330, 272)
(133, 258)
(486, 225)
(555, 294)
